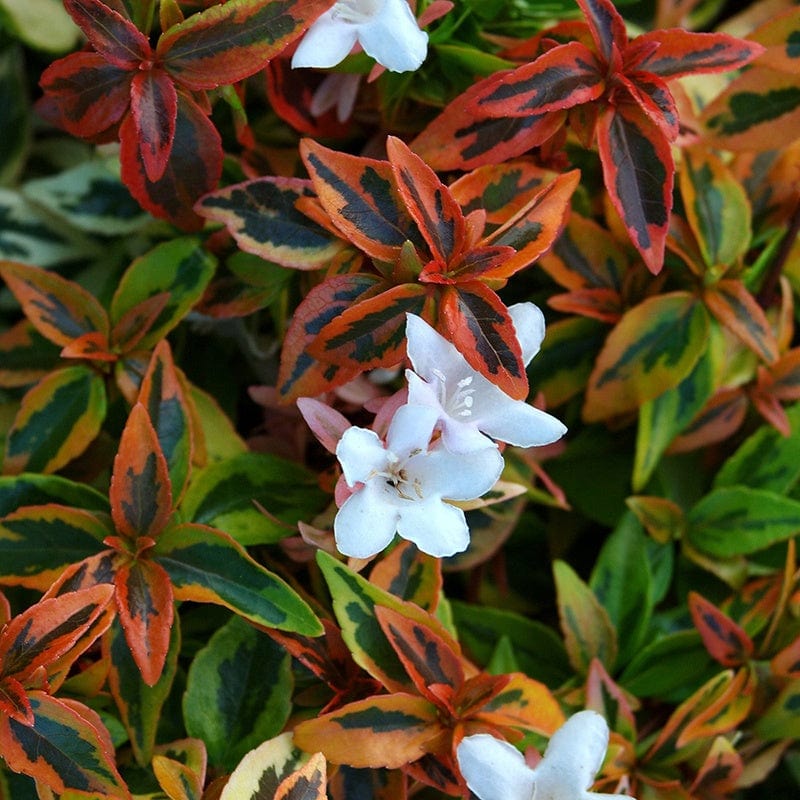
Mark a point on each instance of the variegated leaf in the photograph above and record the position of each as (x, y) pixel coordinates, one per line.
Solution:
(361, 197)
(638, 173)
(409, 574)
(58, 419)
(25, 355)
(207, 566)
(170, 414)
(139, 704)
(66, 749)
(263, 217)
(564, 77)
(154, 108)
(231, 41)
(371, 332)
(141, 496)
(50, 629)
(113, 36)
(779, 35)
(145, 610)
(521, 702)
(717, 207)
(476, 321)
(354, 603)
(432, 662)
(179, 268)
(193, 168)
(85, 94)
(60, 310)
(38, 541)
(730, 302)
(251, 677)
(655, 345)
(300, 374)
(726, 641)
(308, 783)
(759, 111)
(606, 25)
(587, 629)
(383, 731)
(681, 52)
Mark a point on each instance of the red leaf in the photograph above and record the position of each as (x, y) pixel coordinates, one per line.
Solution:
(638, 171)
(92, 345)
(136, 322)
(140, 494)
(193, 168)
(233, 40)
(145, 607)
(475, 320)
(606, 25)
(566, 76)
(154, 104)
(14, 701)
(85, 94)
(723, 638)
(653, 96)
(117, 39)
(428, 200)
(682, 52)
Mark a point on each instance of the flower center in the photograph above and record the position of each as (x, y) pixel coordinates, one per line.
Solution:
(459, 403)
(356, 12)
(396, 476)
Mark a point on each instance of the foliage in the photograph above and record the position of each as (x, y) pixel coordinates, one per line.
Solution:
(247, 307)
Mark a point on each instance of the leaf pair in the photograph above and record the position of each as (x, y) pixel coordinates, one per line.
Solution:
(153, 97)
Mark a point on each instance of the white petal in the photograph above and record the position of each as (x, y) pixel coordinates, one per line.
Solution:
(365, 524)
(436, 528)
(393, 37)
(326, 42)
(529, 324)
(493, 769)
(463, 438)
(410, 429)
(574, 755)
(422, 393)
(457, 477)
(429, 352)
(515, 422)
(361, 454)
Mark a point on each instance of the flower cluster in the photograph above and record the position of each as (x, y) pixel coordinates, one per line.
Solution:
(441, 446)
(495, 770)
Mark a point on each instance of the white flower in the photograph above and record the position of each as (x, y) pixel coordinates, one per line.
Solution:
(470, 407)
(494, 770)
(405, 487)
(385, 29)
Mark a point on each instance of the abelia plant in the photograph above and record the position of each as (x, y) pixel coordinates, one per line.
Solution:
(399, 399)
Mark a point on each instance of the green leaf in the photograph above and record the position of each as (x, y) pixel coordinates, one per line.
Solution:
(41, 24)
(58, 419)
(735, 520)
(653, 348)
(224, 495)
(238, 692)
(622, 582)
(587, 628)
(14, 116)
(140, 706)
(180, 267)
(537, 648)
(669, 667)
(766, 459)
(206, 565)
(782, 719)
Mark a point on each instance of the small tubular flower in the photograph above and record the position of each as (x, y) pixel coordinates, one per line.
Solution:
(470, 408)
(386, 30)
(495, 770)
(402, 487)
